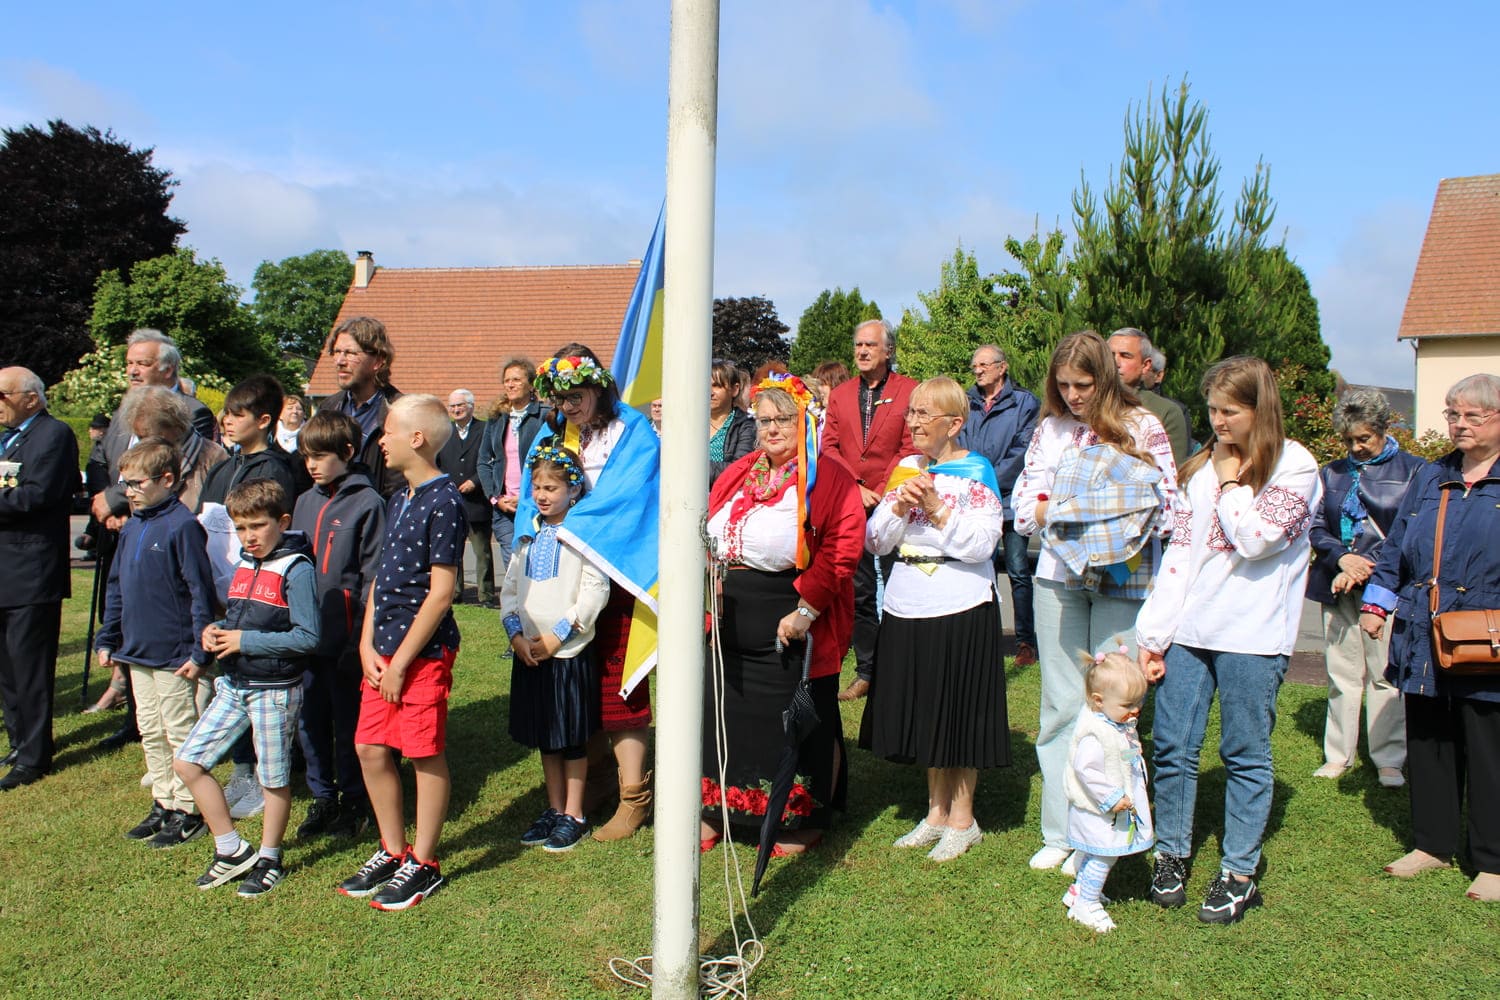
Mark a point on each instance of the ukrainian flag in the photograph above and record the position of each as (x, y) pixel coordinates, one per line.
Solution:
(637, 363)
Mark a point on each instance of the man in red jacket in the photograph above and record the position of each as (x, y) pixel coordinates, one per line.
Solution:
(866, 431)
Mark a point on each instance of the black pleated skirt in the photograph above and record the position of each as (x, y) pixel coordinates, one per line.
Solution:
(938, 695)
(554, 704)
(758, 686)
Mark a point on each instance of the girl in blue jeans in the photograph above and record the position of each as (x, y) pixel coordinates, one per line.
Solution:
(1223, 616)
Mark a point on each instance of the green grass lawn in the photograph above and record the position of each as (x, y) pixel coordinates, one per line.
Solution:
(83, 913)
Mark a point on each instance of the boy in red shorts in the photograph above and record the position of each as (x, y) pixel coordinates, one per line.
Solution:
(406, 652)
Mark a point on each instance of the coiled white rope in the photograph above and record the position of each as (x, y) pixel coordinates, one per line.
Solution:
(729, 976)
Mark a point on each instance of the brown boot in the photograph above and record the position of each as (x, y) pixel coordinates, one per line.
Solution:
(635, 806)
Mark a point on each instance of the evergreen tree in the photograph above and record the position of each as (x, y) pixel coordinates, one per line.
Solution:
(748, 332)
(826, 330)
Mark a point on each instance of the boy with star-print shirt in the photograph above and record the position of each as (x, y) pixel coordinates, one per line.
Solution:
(406, 652)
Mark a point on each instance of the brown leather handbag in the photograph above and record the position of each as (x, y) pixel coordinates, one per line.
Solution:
(1463, 642)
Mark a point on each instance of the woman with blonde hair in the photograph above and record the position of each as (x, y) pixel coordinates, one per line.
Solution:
(1095, 567)
(1223, 616)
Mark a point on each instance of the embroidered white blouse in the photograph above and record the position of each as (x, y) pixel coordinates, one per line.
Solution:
(766, 539)
(969, 538)
(550, 588)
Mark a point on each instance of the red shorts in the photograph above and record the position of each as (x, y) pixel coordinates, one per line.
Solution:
(417, 725)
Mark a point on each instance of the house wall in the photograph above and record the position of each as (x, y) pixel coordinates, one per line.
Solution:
(1442, 361)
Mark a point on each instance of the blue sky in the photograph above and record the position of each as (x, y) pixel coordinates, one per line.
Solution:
(859, 142)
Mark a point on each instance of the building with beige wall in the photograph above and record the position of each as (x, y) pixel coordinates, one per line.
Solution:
(1452, 316)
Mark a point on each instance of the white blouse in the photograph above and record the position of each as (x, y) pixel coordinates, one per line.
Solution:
(970, 538)
(595, 447)
(1233, 577)
(767, 536)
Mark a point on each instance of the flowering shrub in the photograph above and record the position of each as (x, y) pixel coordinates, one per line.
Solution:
(95, 386)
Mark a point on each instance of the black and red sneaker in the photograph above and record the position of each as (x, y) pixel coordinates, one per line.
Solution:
(412, 883)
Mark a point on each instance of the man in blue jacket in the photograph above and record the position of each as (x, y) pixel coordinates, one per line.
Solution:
(1002, 418)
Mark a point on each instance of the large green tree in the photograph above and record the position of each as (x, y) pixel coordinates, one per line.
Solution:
(826, 330)
(1155, 252)
(748, 332)
(73, 204)
(297, 299)
(194, 302)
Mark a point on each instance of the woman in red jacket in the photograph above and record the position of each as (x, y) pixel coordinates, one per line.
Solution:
(789, 535)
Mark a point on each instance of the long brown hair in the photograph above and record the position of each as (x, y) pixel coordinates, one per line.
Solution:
(1110, 408)
(1248, 382)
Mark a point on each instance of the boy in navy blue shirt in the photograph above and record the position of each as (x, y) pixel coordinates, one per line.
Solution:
(159, 599)
(268, 631)
(407, 650)
(344, 516)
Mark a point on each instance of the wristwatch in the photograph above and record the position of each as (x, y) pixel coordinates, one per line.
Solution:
(806, 613)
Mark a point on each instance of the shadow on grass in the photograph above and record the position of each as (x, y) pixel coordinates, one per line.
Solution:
(1311, 718)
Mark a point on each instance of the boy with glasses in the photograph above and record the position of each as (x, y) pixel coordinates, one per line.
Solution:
(159, 599)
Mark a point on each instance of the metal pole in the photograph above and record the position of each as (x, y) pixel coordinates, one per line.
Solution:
(692, 130)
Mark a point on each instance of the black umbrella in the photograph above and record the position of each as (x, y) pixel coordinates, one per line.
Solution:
(798, 720)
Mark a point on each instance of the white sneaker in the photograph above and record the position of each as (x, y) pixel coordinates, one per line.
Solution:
(238, 786)
(1330, 770)
(1071, 896)
(146, 781)
(1070, 866)
(253, 803)
(924, 834)
(1048, 857)
(955, 842)
(1092, 916)
(1391, 777)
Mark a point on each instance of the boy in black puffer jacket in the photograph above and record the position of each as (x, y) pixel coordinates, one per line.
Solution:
(270, 629)
(344, 516)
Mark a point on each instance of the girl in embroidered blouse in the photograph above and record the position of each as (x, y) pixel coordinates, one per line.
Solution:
(549, 603)
(1223, 615)
(1085, 404)
(938, 697)
(1108, 812)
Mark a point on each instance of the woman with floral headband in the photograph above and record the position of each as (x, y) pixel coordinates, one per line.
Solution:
(613, 526)
(789, 531)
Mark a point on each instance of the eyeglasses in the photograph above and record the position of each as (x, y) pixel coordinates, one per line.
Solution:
(1470, 418)
(924, 417)
(136, 485)
(780, 421)
(568, 399)
(980, 366)
(343, 355)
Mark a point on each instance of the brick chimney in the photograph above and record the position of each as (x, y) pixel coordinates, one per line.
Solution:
(364, 268)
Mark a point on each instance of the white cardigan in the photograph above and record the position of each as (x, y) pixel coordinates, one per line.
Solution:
(1233, 577)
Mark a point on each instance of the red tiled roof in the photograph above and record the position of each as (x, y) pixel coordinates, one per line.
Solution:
(1456, 289)
(453, 327)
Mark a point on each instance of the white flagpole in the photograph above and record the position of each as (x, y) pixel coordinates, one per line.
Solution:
(692, 132)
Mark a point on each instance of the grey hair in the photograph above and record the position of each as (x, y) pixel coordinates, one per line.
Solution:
(464, 394)
(1364, 405)
(890, 337)
(1482, 390)
(32, 382)
(168, 357)
(992, 347)
(1145, 348)
(1158, 360)
(162, 403)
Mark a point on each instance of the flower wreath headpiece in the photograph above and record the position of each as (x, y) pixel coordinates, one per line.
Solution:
(807, 449)
(561, 374)
(788, 383)
(562, 456)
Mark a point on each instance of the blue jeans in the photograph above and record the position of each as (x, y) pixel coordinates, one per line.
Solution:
(504, 527)
(1247, 684)
(1068, 624)
(1013, 559)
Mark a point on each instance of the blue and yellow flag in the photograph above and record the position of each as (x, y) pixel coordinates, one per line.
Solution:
(637, 364)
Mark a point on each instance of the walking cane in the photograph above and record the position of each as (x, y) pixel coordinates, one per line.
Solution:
(88, 643)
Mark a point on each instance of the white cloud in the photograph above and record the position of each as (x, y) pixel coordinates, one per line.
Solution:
(1362, 293)
(46, 92)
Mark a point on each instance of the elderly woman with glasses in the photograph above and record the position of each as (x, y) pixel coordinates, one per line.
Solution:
(938, 696)
(1452, 718)
(788, 531)
(1361, 495)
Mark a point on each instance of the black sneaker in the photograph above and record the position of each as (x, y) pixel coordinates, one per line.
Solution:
(265, 873)
(353, 818)
(541, 828)
(226, 867)
(320, 817)
(1169, 881)
(1228, 899)
(413, 883)
(178, 828)
(373, 874)
(151, 825)
(566, 833)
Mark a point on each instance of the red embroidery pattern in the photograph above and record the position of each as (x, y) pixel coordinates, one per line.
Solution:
(1280, 506)
(1182, 528)
(1217, 540)
(1158, 441)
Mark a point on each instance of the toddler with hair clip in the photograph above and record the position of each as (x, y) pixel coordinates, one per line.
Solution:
(1108, 812)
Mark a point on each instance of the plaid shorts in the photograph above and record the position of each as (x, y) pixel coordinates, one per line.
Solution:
(269, 713)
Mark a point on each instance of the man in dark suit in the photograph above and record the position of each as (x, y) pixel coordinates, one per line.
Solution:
(460, 460)
(38, 473)
(866, 430)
